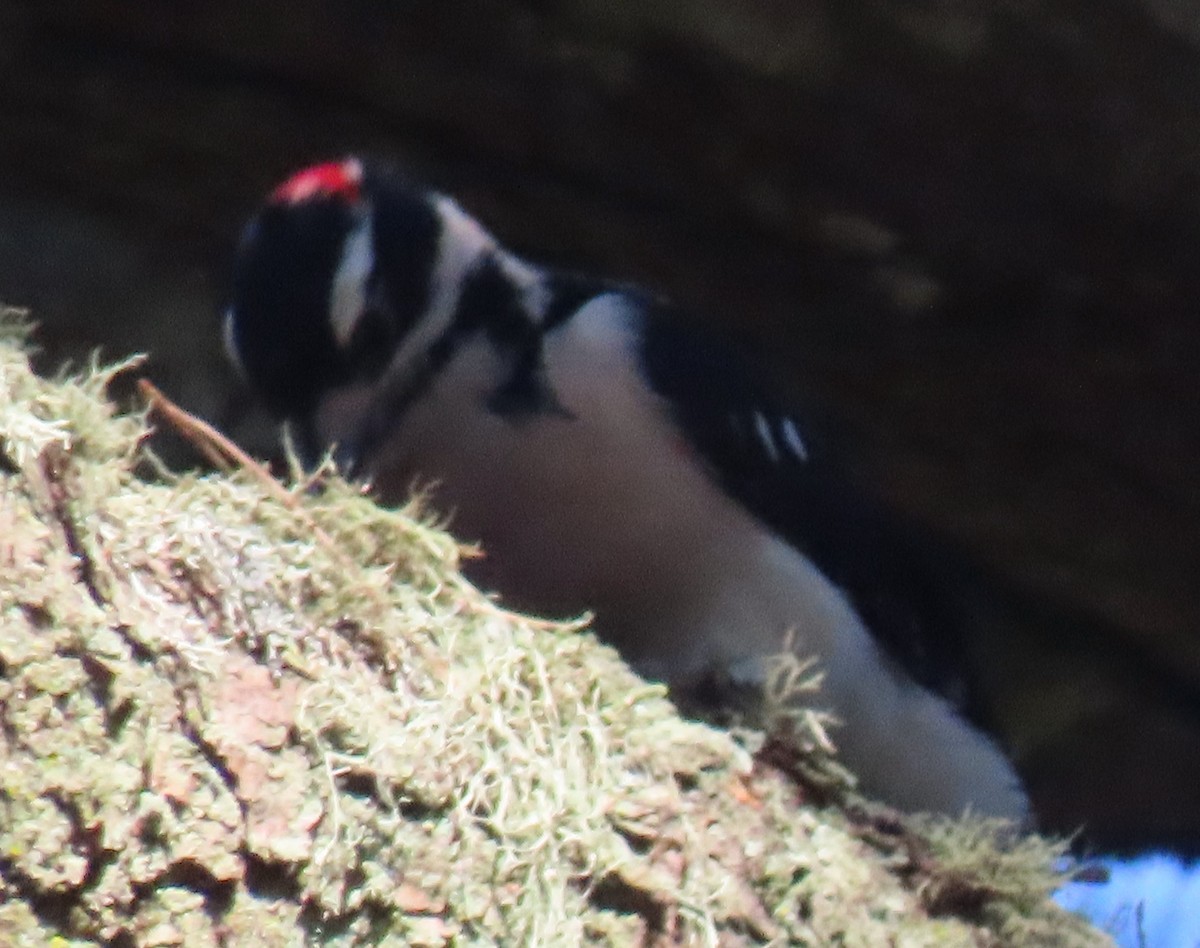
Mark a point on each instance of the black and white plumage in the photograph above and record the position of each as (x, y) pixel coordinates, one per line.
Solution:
(609, 456)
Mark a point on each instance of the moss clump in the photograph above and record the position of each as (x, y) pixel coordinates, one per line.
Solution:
(226, 719)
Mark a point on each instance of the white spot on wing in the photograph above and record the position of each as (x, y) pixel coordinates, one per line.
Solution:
(348, 297)
(792, 440)
(762, 427)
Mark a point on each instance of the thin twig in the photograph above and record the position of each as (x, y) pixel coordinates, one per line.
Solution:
(226, 455)
(215, 446)
(209, 441)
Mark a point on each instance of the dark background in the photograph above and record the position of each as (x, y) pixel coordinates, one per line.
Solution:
(971, 229)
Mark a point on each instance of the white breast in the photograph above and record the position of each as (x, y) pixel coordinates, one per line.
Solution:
(607, 509)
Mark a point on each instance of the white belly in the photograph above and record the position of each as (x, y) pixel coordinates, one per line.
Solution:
(607, 510)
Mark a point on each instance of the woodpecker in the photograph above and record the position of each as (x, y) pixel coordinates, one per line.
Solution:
(609, 455)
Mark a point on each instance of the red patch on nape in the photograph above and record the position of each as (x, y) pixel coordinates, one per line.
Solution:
(340, 179)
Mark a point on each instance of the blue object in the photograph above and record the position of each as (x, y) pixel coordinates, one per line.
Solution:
(1151, 901)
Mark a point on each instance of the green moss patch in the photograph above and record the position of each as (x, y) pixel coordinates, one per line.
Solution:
(226, 719)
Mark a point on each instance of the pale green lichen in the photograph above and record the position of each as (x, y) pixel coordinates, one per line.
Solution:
(229, 720)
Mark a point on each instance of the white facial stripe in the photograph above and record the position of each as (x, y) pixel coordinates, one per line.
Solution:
(535, 295)
(461, 243)
(348, 297)
(470, 241)
(792, 440)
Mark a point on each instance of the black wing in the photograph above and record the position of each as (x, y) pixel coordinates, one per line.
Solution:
(780, 470)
